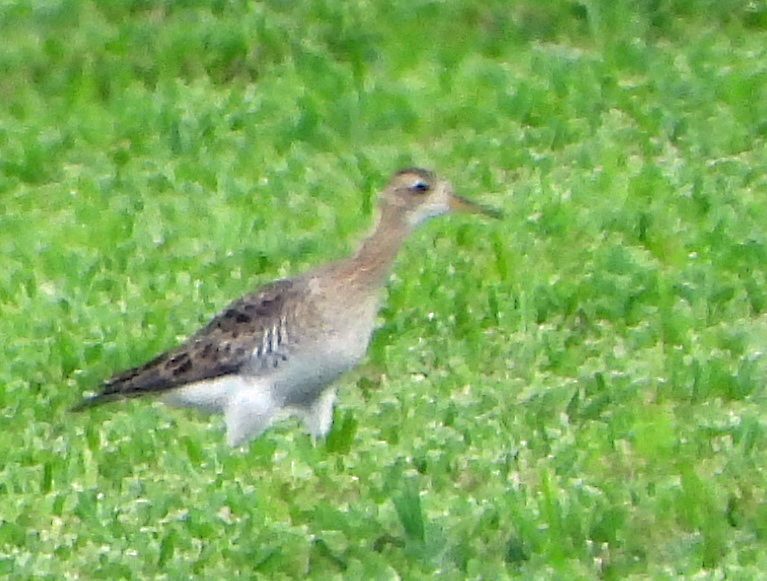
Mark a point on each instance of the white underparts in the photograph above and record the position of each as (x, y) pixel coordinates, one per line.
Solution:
(249, 406)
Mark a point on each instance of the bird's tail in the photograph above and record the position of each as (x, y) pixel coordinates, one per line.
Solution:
(93, 401)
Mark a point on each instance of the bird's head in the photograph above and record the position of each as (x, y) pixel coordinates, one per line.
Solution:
(419, 195)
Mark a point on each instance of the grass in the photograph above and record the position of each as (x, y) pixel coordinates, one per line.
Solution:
(574, 392)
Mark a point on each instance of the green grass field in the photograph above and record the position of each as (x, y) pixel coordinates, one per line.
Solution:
(574, 392)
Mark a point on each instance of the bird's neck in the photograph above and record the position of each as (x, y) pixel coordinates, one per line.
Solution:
(371, 265)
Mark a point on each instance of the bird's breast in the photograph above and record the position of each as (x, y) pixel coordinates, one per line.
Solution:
(322, 357)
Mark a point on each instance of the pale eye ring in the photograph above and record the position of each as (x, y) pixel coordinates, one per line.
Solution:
(420, 186)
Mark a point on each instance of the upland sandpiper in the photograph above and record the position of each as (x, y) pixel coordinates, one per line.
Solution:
(279, 350)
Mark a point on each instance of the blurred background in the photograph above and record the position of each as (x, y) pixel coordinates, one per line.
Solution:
(574, 392)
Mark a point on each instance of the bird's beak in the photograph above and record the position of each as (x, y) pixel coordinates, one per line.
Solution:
(461, 204)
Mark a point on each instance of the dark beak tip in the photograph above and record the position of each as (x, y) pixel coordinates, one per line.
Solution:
(470, 206)
(488, 211)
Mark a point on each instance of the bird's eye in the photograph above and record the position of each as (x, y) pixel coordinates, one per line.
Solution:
(420, 186)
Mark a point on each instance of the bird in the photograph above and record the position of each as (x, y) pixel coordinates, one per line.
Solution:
(279, 350)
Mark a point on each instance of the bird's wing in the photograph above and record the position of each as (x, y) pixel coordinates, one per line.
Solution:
(252, 331)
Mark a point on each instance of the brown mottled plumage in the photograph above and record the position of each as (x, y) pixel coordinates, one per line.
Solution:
(279, 349)
(223, 346)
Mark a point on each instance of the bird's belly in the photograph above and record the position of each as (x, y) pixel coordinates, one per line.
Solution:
(301, 379)
(212, 395)
(295, 377)
(298, 381)
(320, 359)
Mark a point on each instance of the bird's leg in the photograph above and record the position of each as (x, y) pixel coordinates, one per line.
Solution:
(318, 416)
(248, 413)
